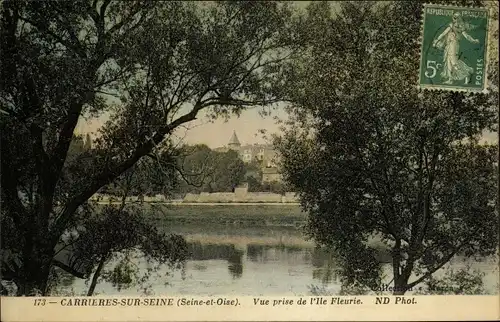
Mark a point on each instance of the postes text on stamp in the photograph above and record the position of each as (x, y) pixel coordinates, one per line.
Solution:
(454, 48)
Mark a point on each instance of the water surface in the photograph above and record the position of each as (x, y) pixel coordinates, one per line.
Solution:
(248, 259)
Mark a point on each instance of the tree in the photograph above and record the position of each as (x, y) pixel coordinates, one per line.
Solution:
(196, 167)
(119, 234)
(152, 66)
(253, 175)
(254, 185)
(275, 187)
(229, 172)
(207, 170)
(153, 175)
(374, 157)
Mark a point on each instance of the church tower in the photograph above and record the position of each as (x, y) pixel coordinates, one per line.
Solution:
(234, 143)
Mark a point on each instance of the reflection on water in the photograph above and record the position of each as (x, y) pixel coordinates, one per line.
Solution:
(249, 261)
(266, 253)
(199, 251)
(324, 269)
(236, 265)
(321, 261)
(228, 252)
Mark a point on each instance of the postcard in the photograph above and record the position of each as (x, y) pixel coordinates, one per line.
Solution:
(249, 160)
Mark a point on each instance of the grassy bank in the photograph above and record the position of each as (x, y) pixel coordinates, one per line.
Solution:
(240, 235)
(245, 215)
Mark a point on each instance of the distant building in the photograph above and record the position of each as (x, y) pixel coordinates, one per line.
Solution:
(263, 154)
(234, 143)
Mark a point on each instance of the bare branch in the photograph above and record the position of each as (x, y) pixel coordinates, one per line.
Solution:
(58, 38)
(102, 10)
(434, 269)
(139, 6)
(116, 77)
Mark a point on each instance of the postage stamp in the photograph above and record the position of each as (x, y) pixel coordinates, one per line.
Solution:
(454, 48)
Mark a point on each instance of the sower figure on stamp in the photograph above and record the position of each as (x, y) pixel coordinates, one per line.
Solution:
(454, 68)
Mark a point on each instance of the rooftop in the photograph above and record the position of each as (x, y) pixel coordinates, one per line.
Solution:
(234, 139)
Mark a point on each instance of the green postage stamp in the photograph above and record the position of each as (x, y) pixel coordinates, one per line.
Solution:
(454, 48)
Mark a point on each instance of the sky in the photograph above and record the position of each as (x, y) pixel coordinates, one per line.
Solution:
(214, 134)
(217, 133)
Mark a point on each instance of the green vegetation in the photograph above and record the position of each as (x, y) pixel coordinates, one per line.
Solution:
(206, 170)
(369, 153)
(192, 169)
(184, 169)
(153, 66)
(248, 215)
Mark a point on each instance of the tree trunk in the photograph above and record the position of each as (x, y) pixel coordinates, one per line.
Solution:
(400, 286)
(96, 275)
(35, 276)
(399, 292)
(37, 254)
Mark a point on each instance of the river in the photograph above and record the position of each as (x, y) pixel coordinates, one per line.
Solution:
(245, 259)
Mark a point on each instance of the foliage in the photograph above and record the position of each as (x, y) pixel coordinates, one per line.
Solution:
(151, 65)
(117, 233)
(370, 155)
(197, 166)
(465, 281)
(229, 172)
(254, 184)
(275, 187)
(114, 230)
(121, 275)
(206, 170)
(154, 175)
(61, 283)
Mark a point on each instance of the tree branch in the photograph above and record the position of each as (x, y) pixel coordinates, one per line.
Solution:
(389, 226)
(93, 284)
(396, 260)
(108, 175)
(11, 201)
(72, 35)
(432, 270)
(102, 10)
(125, 20)
(415, 222)
(98, 18)
(43, 168)
(59, 39)
(60, 151)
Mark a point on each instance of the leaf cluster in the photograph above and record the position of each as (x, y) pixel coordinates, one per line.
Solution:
(372, 156)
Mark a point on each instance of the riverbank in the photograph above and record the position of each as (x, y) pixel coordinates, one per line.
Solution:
(227, 215)
(201, 204)
(240, 195)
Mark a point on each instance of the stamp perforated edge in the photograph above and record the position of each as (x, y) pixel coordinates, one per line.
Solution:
(488, 48)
